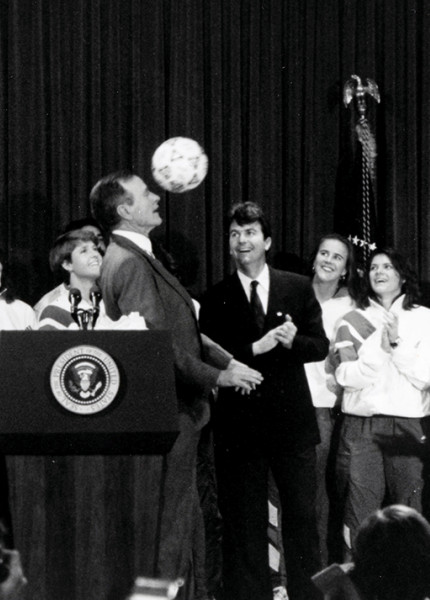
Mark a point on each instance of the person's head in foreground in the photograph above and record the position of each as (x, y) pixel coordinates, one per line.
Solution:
(392, 555)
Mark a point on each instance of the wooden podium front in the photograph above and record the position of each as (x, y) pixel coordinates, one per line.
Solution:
(85, 489)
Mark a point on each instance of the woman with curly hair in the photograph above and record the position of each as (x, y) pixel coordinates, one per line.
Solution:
(383, 348)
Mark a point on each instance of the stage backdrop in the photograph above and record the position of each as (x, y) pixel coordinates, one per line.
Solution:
(91, 86)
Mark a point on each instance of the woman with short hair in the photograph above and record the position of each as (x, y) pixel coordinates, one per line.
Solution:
(76, 256)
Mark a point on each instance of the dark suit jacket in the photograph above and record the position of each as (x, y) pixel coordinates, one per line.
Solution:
(133, 281)
(280, 412)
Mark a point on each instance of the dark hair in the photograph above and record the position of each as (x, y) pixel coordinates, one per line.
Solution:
(63, 247)
(105, 197)
(80, 223)
(410, 286)
(6, 287)
(352, 281)
(245, 213)
(392, 555)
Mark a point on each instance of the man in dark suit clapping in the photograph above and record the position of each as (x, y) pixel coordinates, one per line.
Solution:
(270, 320)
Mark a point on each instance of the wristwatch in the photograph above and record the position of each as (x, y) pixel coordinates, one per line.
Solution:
(395, 343)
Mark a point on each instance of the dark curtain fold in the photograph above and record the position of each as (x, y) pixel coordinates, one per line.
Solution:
(91, 86)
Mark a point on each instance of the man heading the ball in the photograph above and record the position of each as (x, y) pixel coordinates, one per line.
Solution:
(133, 280)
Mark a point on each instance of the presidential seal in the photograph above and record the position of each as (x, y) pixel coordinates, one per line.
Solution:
(84, 380)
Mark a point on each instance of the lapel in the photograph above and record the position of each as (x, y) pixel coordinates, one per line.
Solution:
(274, 292)
(124, 242)
(278, 294)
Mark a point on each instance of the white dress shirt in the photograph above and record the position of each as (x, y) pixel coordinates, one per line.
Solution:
(139, 239)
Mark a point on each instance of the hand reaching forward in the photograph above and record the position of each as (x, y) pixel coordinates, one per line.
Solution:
(239, 376)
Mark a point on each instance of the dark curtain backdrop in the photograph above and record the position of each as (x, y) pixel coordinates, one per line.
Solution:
(91, 86)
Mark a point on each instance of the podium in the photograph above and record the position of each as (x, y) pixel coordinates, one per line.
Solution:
(86, 488)
(141, 419)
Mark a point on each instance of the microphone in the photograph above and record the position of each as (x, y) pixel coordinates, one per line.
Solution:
(95, 297)
(75, 297)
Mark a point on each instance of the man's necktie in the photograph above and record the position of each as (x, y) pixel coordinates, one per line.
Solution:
(257, 307)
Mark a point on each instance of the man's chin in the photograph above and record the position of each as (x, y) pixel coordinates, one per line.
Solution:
(243, 261)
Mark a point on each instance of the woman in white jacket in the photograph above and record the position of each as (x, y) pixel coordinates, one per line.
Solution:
(337, 285)
(383, 349)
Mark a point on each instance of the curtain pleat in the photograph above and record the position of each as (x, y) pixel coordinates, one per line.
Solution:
(93, 86)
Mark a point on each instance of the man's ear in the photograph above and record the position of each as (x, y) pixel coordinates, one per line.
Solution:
(267, 243)
(124, 211)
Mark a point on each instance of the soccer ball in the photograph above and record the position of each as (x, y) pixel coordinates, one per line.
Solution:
(179, 164)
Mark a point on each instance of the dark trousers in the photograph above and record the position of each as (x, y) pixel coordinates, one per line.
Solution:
(380, 458)
(243, 492)
(329, 507)
(181, 546)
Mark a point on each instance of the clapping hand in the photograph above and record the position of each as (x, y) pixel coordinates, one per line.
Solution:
(286, 332)
(283, 334)
(390, 331)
